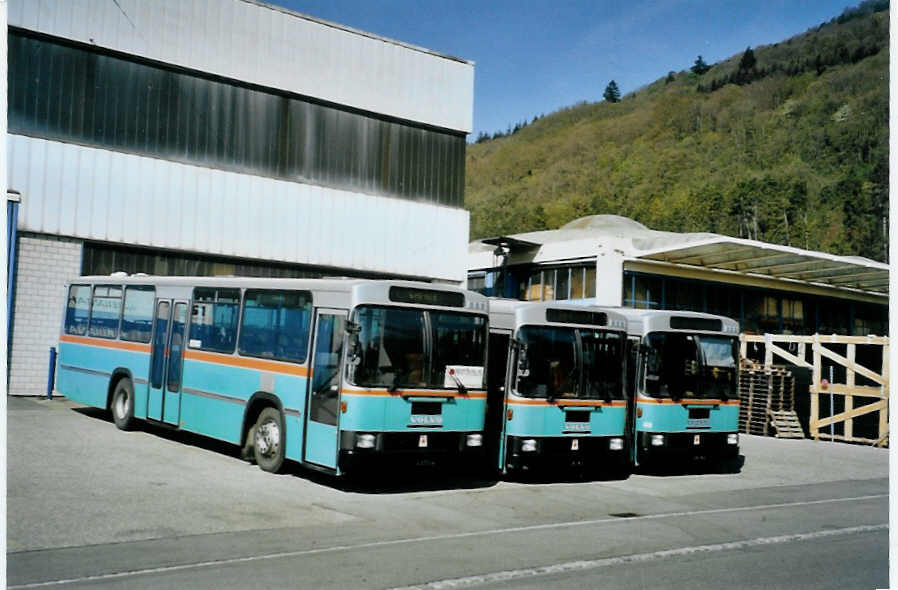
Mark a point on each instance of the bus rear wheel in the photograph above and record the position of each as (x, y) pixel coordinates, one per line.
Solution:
(122, 405)
(268, 440)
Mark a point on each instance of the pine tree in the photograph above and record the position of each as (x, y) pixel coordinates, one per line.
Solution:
(612, 94)
(748, 60)
(700, 67)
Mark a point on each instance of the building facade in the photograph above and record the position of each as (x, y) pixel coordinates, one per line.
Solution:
(222, 137)
(616, 261)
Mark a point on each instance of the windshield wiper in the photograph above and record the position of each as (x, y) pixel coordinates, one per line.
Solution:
(461, 386)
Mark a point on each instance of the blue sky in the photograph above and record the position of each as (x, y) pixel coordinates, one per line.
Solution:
(534, 57)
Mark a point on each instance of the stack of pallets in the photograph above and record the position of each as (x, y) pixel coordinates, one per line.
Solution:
(767, 401)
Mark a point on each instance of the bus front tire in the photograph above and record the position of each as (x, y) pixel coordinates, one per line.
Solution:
(268, 440)
(122, 404)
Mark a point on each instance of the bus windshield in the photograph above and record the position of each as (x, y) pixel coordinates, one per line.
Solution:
(570, 363)
(681, 366)
(404, 347)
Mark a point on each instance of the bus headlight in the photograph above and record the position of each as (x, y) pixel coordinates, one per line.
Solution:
(528, 445)
(365, 441)
(733, 439)
(474, 440)
(657, 440)
(616, 444)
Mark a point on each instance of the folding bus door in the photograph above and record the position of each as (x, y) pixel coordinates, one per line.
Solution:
(322, 431)
(164, 403)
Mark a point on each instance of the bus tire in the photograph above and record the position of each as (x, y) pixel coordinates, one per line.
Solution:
(122, 404)
(268, 440)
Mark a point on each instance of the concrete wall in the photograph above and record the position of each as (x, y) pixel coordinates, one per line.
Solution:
(44, 265)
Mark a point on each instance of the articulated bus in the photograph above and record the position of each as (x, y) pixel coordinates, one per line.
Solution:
(335, 374)
(556, 387)
(684, 385)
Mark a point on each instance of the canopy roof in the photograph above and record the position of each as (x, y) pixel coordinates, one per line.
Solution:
(707, 251)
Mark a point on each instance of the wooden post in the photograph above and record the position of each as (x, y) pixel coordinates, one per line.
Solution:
(816, 375)
(884, 413)
(849, 382)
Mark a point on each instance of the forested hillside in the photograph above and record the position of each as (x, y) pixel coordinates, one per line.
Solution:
(788, 144)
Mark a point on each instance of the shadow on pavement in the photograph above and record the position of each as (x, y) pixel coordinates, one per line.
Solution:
(693, 467)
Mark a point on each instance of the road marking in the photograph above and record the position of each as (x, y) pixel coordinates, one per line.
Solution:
(444, 537)
(579, 566)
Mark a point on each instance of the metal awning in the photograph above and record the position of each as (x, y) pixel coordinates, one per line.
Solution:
(778, 262)
(510, 243)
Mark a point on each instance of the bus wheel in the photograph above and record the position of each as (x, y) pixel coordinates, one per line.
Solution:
(268, 440)
(122, 405)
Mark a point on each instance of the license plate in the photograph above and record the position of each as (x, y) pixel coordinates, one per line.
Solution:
(696, 440)
(422, 441)
(698, 423)
(426, 420)
(575, 444)
(576, 426)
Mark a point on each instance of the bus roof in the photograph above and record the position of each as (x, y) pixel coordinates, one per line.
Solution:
(509, 313)
(369, 290)
(643, 321)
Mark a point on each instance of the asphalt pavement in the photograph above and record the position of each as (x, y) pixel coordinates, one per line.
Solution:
(90, 506)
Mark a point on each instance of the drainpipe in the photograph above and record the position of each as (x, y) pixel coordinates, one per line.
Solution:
(13, 199)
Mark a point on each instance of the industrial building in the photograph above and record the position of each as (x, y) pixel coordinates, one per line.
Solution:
(221, 137)
(616, 261)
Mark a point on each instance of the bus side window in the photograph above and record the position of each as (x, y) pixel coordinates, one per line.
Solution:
(137, 317)
(213, 321)
(77, 310)
(105, 309)
(275, 324)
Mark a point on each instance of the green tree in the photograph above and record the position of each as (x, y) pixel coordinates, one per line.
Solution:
(700, 67)
(612, 94)
(748, 60)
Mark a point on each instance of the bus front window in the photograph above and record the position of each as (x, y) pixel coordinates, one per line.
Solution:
(391, 348)
(603, 362)
(671, 366)
(552, 367)
(719, 354)
(394, 349)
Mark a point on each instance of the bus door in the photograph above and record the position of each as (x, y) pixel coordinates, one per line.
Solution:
(164, 402)
(497, 363)
(323, 399)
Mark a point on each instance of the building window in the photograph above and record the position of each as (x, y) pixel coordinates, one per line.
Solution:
(76, 94)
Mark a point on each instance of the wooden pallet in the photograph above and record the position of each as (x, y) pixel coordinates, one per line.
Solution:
(786, 424)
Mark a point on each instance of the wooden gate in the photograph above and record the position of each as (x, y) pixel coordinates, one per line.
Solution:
(795, 352)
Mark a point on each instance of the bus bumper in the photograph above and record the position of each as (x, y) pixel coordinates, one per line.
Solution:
(566, 452)
(369, 449)
(710, 445)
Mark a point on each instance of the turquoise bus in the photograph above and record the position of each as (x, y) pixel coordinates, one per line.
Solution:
(684, 386)
(556, 387)
(334, 374)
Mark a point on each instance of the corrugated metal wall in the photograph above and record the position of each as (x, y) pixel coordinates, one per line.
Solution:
(263, 45)
(110, 196)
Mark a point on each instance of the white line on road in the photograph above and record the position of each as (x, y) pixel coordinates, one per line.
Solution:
(444, 537)
(579, 566)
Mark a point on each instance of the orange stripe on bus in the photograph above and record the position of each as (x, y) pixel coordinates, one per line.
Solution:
(103, 343)
(566, 403)
(247, 363)
(414, 393)
(687, 402)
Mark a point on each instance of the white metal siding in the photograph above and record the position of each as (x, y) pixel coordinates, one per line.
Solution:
(263, 45)
(111, 196)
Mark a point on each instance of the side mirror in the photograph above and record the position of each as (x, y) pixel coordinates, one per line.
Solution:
(354, 354)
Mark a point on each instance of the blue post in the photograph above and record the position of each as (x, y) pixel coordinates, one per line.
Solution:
(51, 376)
(12, 220)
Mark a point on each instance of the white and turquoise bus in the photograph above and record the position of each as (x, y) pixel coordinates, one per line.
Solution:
(334, 374)
(685, 385)
(556, 387)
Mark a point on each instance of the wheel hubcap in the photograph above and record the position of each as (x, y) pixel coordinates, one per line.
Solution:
(121, 404)
(268, 437)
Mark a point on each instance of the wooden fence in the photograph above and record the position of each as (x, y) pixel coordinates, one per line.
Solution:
(794, 349)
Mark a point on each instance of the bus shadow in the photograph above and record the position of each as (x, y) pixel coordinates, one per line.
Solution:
(395, 480)
(390, 480)
(168, 433)
(694, 467)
